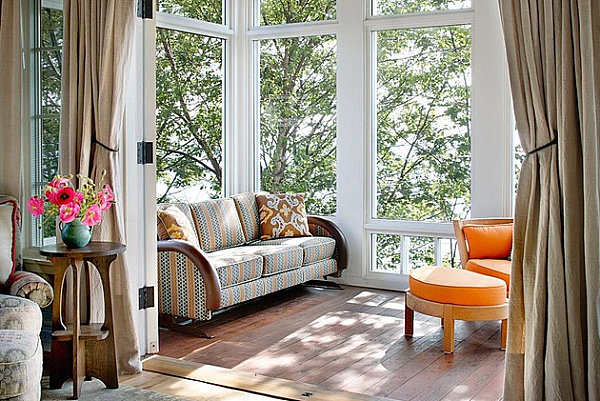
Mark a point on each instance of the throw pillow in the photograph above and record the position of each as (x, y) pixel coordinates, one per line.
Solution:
(489, 241)
(10, 224)
(282, 215)
(172, 223)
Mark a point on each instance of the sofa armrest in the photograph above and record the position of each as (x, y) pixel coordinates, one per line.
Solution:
(29, 285)
(206, 269)
(330, 229)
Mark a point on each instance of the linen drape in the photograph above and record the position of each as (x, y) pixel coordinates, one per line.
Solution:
(553, 50)
(96, 48)
(11, 66)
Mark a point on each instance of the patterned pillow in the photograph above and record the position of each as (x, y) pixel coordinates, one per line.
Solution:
(172, 223)
(10, 225)
(282, 215)
(217, 224)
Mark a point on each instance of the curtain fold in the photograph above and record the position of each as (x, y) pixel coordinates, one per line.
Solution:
(554, 64)
(11, 67)
(97, 44)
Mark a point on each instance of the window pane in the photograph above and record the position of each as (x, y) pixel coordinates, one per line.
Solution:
(298, 119)
(51, 28)
(275, 12)
(51, 67)
(423, 123)
(189, 116)
(416, 6)
(388, 251)
(421, 252)
(204, 10)
(50, 130)
(449, 251)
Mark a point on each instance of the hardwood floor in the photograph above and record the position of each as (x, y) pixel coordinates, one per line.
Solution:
(351, 340)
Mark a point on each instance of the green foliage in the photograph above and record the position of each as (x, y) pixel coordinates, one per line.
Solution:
(423, 117)
(189, 113)
(418, 6)
(298, 119)
(203, 10)
(274, 12)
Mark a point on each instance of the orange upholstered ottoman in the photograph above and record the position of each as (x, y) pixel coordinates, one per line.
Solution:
(455, 294)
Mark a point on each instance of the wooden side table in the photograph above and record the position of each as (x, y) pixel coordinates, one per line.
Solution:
(81, 350)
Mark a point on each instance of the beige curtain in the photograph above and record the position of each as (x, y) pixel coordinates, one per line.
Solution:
(97, 44)
(11, 66)
(553, 50)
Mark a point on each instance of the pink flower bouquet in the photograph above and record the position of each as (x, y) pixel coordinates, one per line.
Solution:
(63, 200)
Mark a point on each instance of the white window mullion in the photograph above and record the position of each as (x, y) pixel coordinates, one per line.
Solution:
(190, 25)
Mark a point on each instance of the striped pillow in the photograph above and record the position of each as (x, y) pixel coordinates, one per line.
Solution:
(248, 212)
(217, 224)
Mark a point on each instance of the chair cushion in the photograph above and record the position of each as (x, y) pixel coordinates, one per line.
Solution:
(318, 270)
(277, 258)
(10, 222)
(236, 266)
(18, 313)
(174, 221)
(217, 224)
(20, 363)
(456, 286)
(489, 241)
(499, 268)
(247, 209)
(31, 286)
(282, 215)
(315, 248)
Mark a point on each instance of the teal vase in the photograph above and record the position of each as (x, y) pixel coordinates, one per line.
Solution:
(75, 234)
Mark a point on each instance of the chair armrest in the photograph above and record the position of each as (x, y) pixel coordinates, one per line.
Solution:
(29, 285)
(332, 230)
(206, 269)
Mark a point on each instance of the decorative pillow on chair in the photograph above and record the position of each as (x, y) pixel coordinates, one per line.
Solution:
(282, 215)
(10, 224)
(172, 223)
(489, 241)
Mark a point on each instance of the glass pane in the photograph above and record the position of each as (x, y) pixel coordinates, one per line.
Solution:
(298, 119)
(275, 12)
(51, 75)
(204, 10)
(519, 157)
(50, 130)
(52, 28)
(449, 251)
(423, 123)
(189, 116)
(421, 252)
(388, 252)
(384, 7)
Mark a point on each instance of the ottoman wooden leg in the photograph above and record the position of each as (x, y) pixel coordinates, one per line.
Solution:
(448, 321)
(409, 317)
(503, 333)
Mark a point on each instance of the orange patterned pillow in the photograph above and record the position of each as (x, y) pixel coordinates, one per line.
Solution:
(172, 223)
(282, 215)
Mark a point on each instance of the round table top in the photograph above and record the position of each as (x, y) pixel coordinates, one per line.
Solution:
(93, 249)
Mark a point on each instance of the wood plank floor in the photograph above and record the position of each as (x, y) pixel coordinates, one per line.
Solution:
(350, 340)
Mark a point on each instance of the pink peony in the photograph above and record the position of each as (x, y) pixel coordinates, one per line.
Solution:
(92, 216)
(59, 182)
(105, 197)
(68, 212)
(78, 198)
(35, 205)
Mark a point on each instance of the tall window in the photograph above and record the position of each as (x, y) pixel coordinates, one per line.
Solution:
(297, 105)
(45, 94)
(421, 167)
(189, 105)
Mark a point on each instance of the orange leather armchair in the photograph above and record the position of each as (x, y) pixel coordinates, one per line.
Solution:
(485, 246)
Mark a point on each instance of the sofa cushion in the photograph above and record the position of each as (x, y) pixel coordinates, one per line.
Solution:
(217, 224)
(174, 221)
(18, 313)
(243, 292)
(10, 222)
(277, 258)
(314, 248)
(20, 363)
(318, 270)
(247, 209)
(282, 215)
(236, 266)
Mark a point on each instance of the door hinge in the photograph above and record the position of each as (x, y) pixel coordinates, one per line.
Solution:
(146, 297)
(145, 154)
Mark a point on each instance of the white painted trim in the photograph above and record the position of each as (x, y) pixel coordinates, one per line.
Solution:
(414, 228)
(424, 20)
(293, 30)
(185, 24)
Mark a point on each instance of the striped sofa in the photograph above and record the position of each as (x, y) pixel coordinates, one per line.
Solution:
(228, 264)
